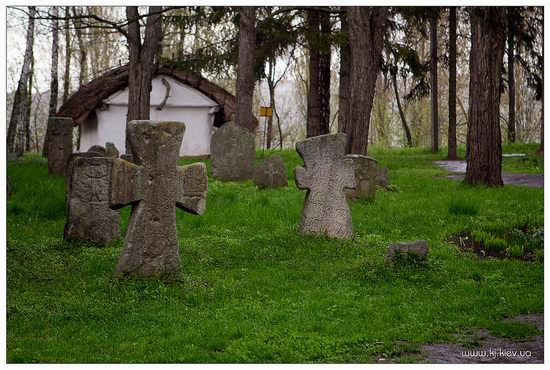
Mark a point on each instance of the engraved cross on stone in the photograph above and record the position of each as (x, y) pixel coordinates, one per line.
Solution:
(325, 175)
(154, 187)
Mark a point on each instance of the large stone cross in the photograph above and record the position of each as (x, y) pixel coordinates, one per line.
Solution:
(325, 175)
(154, 186)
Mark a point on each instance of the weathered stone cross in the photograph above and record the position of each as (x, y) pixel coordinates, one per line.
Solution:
(325, 175)
(154, 186)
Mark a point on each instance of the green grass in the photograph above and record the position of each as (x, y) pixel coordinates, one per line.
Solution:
(254, 289)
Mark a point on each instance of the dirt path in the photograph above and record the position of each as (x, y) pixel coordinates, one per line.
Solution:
(458, 168)
(488, 348)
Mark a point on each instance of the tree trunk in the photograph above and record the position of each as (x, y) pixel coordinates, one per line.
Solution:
(141, 62)
(54, 81)
(29, 105)
(434, 85)
(324, 74)
(68, 52)
(366, 39)
(20, 99)
(541, 148)
(401, 112)
(245, 67)
(343, 90)
(271, 88)
(313, 125)
(484, 156)
(511, 82)
(83, 64)
(279, 127)
(35, 124)
(83, 50)
(451, 146)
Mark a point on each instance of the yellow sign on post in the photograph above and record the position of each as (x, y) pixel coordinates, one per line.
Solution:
(266, 111)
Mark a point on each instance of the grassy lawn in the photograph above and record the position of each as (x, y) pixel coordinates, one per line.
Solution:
(254, 290)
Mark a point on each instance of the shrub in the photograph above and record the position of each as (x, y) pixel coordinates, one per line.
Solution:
(515, 251)
(494, 244)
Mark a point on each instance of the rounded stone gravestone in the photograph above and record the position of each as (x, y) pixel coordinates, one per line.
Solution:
(271, 173)
(89, 217)
(365, 177)
(98, 149)
(232, 153)
(60, 144)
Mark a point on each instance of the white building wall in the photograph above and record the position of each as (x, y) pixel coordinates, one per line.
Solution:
(184, 104)
(88, 135)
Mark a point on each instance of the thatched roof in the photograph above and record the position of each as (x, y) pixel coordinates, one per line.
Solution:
(90, 96)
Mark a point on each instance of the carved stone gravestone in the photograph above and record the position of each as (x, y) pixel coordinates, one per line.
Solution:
(154, 188)
(365, 177)
(111, 150)
(271, 173)
(70, 164)
(89, 217)
(326, 174)
(232, 153)
(98, 149)
(60, 144)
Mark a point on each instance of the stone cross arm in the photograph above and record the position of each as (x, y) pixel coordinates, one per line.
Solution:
(305, 178)
(302, 177)
(191, 188)
(126, 181)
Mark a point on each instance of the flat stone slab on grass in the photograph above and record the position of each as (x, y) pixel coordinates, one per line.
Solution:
(533, 180)
(417, 248)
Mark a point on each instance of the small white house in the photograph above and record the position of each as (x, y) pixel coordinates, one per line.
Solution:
(100, 108)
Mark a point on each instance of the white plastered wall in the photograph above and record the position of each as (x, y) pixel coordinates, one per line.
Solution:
(184, 104)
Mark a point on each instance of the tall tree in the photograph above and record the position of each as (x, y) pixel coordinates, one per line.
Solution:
(541, 148)
(484, 150)
(82, 60)
(434, 84)
(318, 107)
(271, 88)
(68, 54)
(366, 39)
(343, 88)
(324, 72)
(82, 48)
(245, 67)
(408, 136)
(141, 61)
(20, 99)
(29, 105)
(313, 125)
(511, 78)
(54, 80)
(451, 146)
